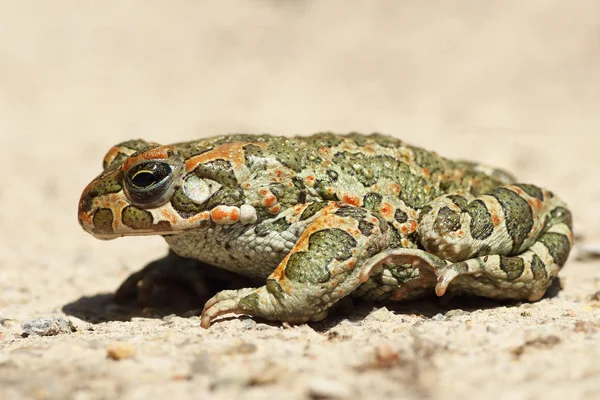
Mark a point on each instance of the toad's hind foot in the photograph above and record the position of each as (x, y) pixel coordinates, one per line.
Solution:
(509, 243)
(523, 277)
(526, 276)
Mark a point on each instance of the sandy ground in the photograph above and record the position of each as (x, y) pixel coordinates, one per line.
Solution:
(514, 84)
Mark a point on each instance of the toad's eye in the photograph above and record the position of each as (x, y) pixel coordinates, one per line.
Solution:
(149, 184)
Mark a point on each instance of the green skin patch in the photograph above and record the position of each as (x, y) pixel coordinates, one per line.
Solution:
(273, 190)
(481, 220)
(311, 266)
(312, 209)
(447, 221)
(276, 226)
(372, 201)
(518, 214)
(103, 219)
(136, 218)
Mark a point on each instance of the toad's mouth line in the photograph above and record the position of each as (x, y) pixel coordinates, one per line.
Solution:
(111, 236)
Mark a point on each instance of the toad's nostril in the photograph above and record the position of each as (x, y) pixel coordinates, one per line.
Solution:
(85, 203)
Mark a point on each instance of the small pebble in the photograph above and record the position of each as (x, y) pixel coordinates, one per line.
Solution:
(120, 351)
(46, 326)
(11, 325)
(79, 325)
(380, 315)
(249, 324)
(438, 317)
(321, 388)
(455, 313)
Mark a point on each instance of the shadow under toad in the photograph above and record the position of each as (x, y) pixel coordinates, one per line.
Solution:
(169, 285)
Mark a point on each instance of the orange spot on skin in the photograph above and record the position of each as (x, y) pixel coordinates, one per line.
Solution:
(426, 172)
(404, 230)
(387, 210)
(263, 192)
(234, 215)
(310, 180)
(278, 273)
(536, 204)
(218, 214)
(232, 152)
(413, 226)
(269, 201)
(278, 173)
(396, 188)
(496, 219)
(168, 216)
(369, 149)
(325, 152)
(351, 199)
(275, 209)
(159, 153)
(404, 242)
(86, 218)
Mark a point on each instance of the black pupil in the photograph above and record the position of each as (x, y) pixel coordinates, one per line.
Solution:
(144, 179)
(145, 176)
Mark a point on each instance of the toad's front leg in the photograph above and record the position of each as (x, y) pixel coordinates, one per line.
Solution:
(323, 267)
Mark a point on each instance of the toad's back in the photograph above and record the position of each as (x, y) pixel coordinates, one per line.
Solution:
(354, 168)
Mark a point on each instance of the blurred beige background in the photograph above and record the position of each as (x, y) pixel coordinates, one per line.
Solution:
(513, 84)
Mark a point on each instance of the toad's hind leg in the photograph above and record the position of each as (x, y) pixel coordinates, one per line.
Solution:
(323, 267)
(509, 243)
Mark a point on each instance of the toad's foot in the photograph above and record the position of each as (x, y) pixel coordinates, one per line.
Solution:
(322, 268)
(256, 302)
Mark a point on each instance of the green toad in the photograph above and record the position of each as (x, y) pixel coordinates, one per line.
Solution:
(314, 219)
